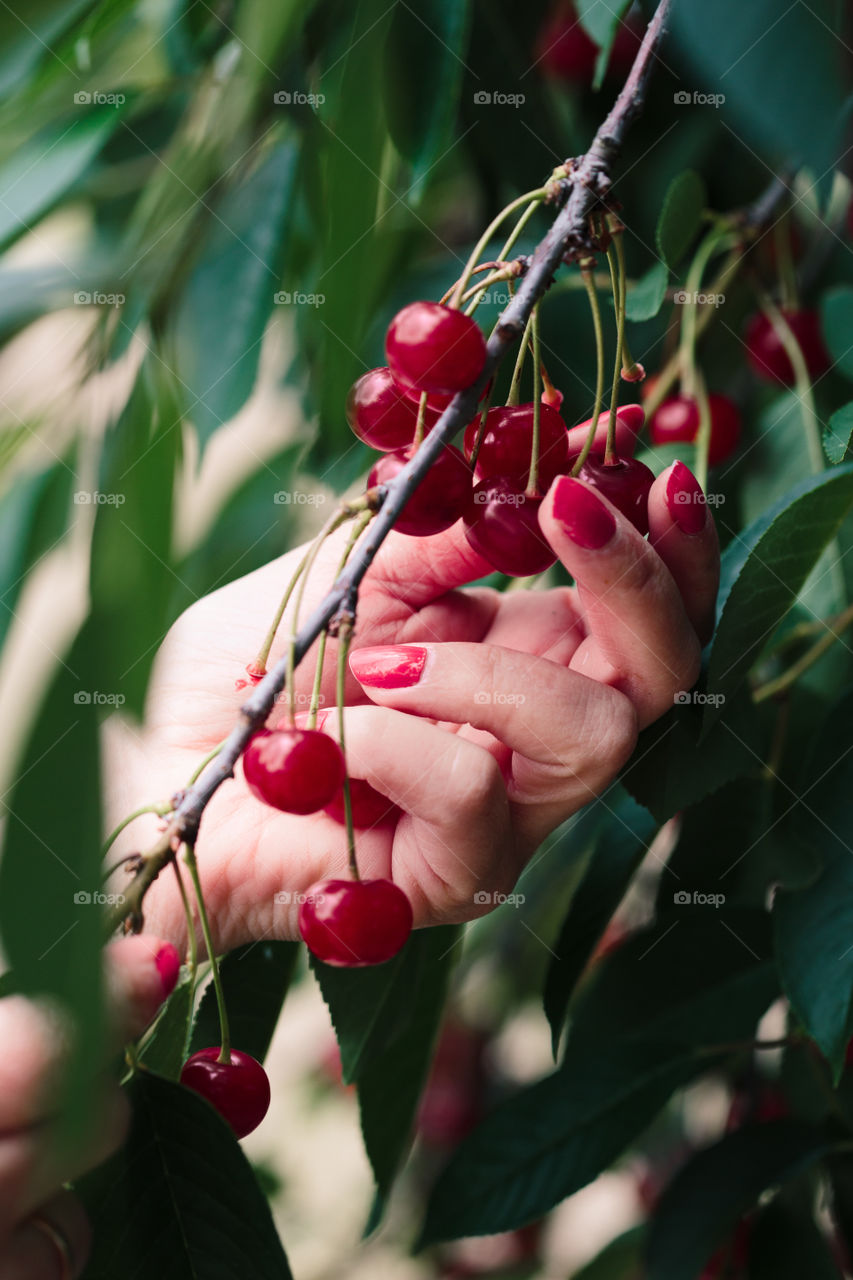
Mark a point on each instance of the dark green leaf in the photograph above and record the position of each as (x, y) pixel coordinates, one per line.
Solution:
(708, 1196)
(734, 47)
(680, 217)
(33, 517)
(645, 297)
(369, 1007)
(785, 1243)
(765, 568)
(814, 925)
(180, 1199)
(390, 1086)
(836, 313)
(424, 64)
(838, 435)
(255, 978)
(218, 347)
(23, 44)
(51, 926)
(625, 830)
(131, 575)
(163, 1052)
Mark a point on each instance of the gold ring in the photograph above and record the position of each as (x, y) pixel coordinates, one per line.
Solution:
(59, 1242)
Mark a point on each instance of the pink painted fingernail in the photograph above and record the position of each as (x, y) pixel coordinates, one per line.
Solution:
(585, 519)
(685, 500)
(391, 666)
(168, 964)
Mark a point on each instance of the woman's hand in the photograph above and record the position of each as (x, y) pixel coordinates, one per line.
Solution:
(44, 1234)
(518, 708)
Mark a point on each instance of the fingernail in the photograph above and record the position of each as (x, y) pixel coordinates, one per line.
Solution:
(632, 415)
(585, 519)
(685, 500)
(392, 666)
(168, 964)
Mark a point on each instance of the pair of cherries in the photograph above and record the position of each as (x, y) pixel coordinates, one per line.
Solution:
(435, 350)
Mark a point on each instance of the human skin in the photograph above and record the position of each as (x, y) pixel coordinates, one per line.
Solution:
(527, 706)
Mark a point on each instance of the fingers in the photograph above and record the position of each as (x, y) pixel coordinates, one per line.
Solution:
(569, 735)
(683, 533)
(640, 639)
(52, 1245)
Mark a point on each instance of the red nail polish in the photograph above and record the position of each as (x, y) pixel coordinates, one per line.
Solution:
(585, 519)
(685, 500)
(392, 666)
(168, 964)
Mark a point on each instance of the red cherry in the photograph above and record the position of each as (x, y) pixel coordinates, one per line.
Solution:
(677, 420)
(624, 482)
(239, 1089)
(296, 770)
(767, 355)
(382, 415)
(501, 524)
(439, 499)
(507, 441)
(369, 807)
(434, 348)
(352, 923)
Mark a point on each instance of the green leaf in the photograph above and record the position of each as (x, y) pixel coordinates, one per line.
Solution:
(652, 1003)
(680, 216)
(732, 47)
(163, 1051)
(836, 314)
(180, 1199)
(369, 1007)
(43, 170)
(23, 44)
(390, 1086)
(33, 517)
(708, 1196)
(601, 21)
(646, 295)
(255, 978)
(765, 568)
(814, 924)
(551, 1139)
(838, 435)
(423, 68)
(785, 1243)
(131, 573)
(50, 936)
(218, 347)
(624, 832)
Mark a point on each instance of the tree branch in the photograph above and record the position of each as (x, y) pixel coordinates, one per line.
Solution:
(589, 181)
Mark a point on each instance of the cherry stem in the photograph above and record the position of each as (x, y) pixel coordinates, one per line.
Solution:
(192, 867)
(592, 294)
(260, 661)
(358, 528)
(718, 237)
(532, 490)
(515, 386)
(703, 431)
(510, 272)
(785, 262)
(192, 947)
(481, 429)
(160, 809)
(480, 247)
(421, 422)
(202, 764)
(344, 637)
(483, 266)
(836, 627)
(617, 282)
